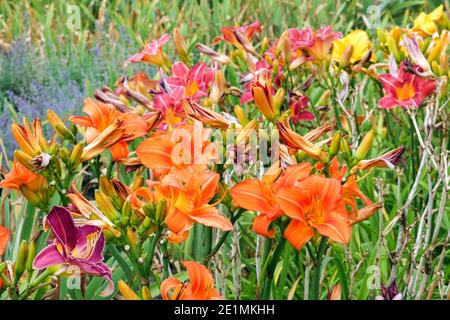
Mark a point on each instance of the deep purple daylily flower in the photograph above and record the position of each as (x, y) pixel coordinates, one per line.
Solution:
(390, 292)
(77, 246)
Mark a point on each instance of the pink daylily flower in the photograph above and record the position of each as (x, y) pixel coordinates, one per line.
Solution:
(152, 52)
(406, 88)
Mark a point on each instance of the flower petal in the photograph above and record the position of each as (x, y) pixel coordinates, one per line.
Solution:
(298, 233)
(49, 256)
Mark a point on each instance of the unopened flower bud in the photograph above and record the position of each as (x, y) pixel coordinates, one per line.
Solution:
(364, 147)
(59, 126)
(75, 155)
(24, 159)
(21, 261)
(126, 291)
(335, 145)
(240, 115)
(180, 46)
(146, 293)
(345, 150)
(126, 213)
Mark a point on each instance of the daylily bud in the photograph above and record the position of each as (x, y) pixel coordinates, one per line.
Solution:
(393, 47)
(161, 209)
(218, 87)
(264, 45)
(275, 67)
(31, 256)
(284, 46)
(138, 182)
(132, 237)
(32, 197)
(262, 95)
(126, 213)
(150, 209)
(246, 131)
(240, 115)
(21, 261)
(107, 187)
(213, 54)
(278, 100)
(75, 155)
(144, 225)
(134, 219)
(345, 149)
(59, 126)
(180, 46)
(24, 159)
(442, 93)
(63, 154)
(335, 145)
(106, 206)
(126, 291)
(146, 293)
(346, 56)
(364, 147)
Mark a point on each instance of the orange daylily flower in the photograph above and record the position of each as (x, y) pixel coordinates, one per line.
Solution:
(264, 96)
(240, 36)
(314, 204)
(107, 128)
(31, 138)
(20, 176)
(260, 195)
(350, 191)
(4, 239)
(200, 286)
(181, 147)
(188, 192)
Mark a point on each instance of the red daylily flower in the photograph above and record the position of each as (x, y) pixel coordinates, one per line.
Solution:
(405, 88)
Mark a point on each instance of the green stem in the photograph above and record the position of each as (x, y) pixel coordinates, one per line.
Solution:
(271, 268)
(123, 264)
(315, 292)
(224, 236)
(151, 252)
(109, 168)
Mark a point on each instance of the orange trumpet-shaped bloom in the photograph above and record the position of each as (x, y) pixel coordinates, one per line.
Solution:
(314, 204)
(260, 195)
(4, 239)
(188, 192)
(200, 286)
(30, 138)
(350, 191)
(181, 147)
(107, 128)
(264, 96)
(21, 176)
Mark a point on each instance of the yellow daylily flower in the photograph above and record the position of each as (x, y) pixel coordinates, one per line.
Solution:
(352, 48)
(425, 24)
